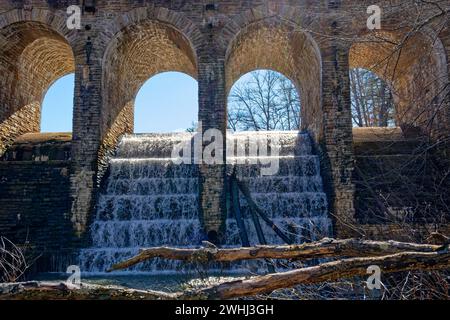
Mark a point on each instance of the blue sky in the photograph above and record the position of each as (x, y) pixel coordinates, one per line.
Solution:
(57, 106)
(167, 102)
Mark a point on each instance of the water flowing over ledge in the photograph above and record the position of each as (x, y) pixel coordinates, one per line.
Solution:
(149, 201)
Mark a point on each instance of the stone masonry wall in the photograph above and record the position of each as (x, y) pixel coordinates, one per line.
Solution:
(123, 42)
(35, 202)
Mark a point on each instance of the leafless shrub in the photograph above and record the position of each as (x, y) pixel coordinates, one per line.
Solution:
(13, 262)
(417, 285)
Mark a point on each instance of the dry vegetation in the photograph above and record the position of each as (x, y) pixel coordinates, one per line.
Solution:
(13, 261)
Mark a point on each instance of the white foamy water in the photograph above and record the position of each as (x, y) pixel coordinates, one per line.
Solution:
(149, 201)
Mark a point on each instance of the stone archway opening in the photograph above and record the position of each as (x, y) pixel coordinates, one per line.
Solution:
(167, 102)
(273, 44)
(393, 170)
(33, 56)
(276, 162)
(415, 71)
(136, 54)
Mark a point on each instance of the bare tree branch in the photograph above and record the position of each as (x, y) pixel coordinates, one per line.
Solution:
(322, 249)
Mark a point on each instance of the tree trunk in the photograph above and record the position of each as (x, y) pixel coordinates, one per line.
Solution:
(62, 291)
(322, 249)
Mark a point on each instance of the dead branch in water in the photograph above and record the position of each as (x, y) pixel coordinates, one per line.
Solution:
(322, 249)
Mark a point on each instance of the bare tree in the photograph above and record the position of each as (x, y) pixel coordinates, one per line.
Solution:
(266, 101)
(13, 263)
(372, 101)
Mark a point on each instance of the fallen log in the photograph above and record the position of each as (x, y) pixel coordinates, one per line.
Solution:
(325, 248)
(330, 271)
(34, 290)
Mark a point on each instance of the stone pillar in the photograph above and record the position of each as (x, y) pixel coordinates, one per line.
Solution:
(212, 115)
(86, 132)
(337, 146)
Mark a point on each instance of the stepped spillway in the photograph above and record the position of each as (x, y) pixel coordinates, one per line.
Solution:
(293, 198)
(150, 201)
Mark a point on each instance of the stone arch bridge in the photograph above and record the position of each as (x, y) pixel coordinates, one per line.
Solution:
(123, 43)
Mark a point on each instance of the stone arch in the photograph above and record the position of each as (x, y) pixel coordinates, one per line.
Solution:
(35, 51)
(278, 44)
(414, 67)
(136, 16)
(137, 53)
(290, 14)
(55, 20)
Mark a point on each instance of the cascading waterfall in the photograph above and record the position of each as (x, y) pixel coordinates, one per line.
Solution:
(293, 198)
(149, 201)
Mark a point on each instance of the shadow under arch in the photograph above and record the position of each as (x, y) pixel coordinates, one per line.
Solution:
(33, 56)
(137, 53)
(281, 46)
